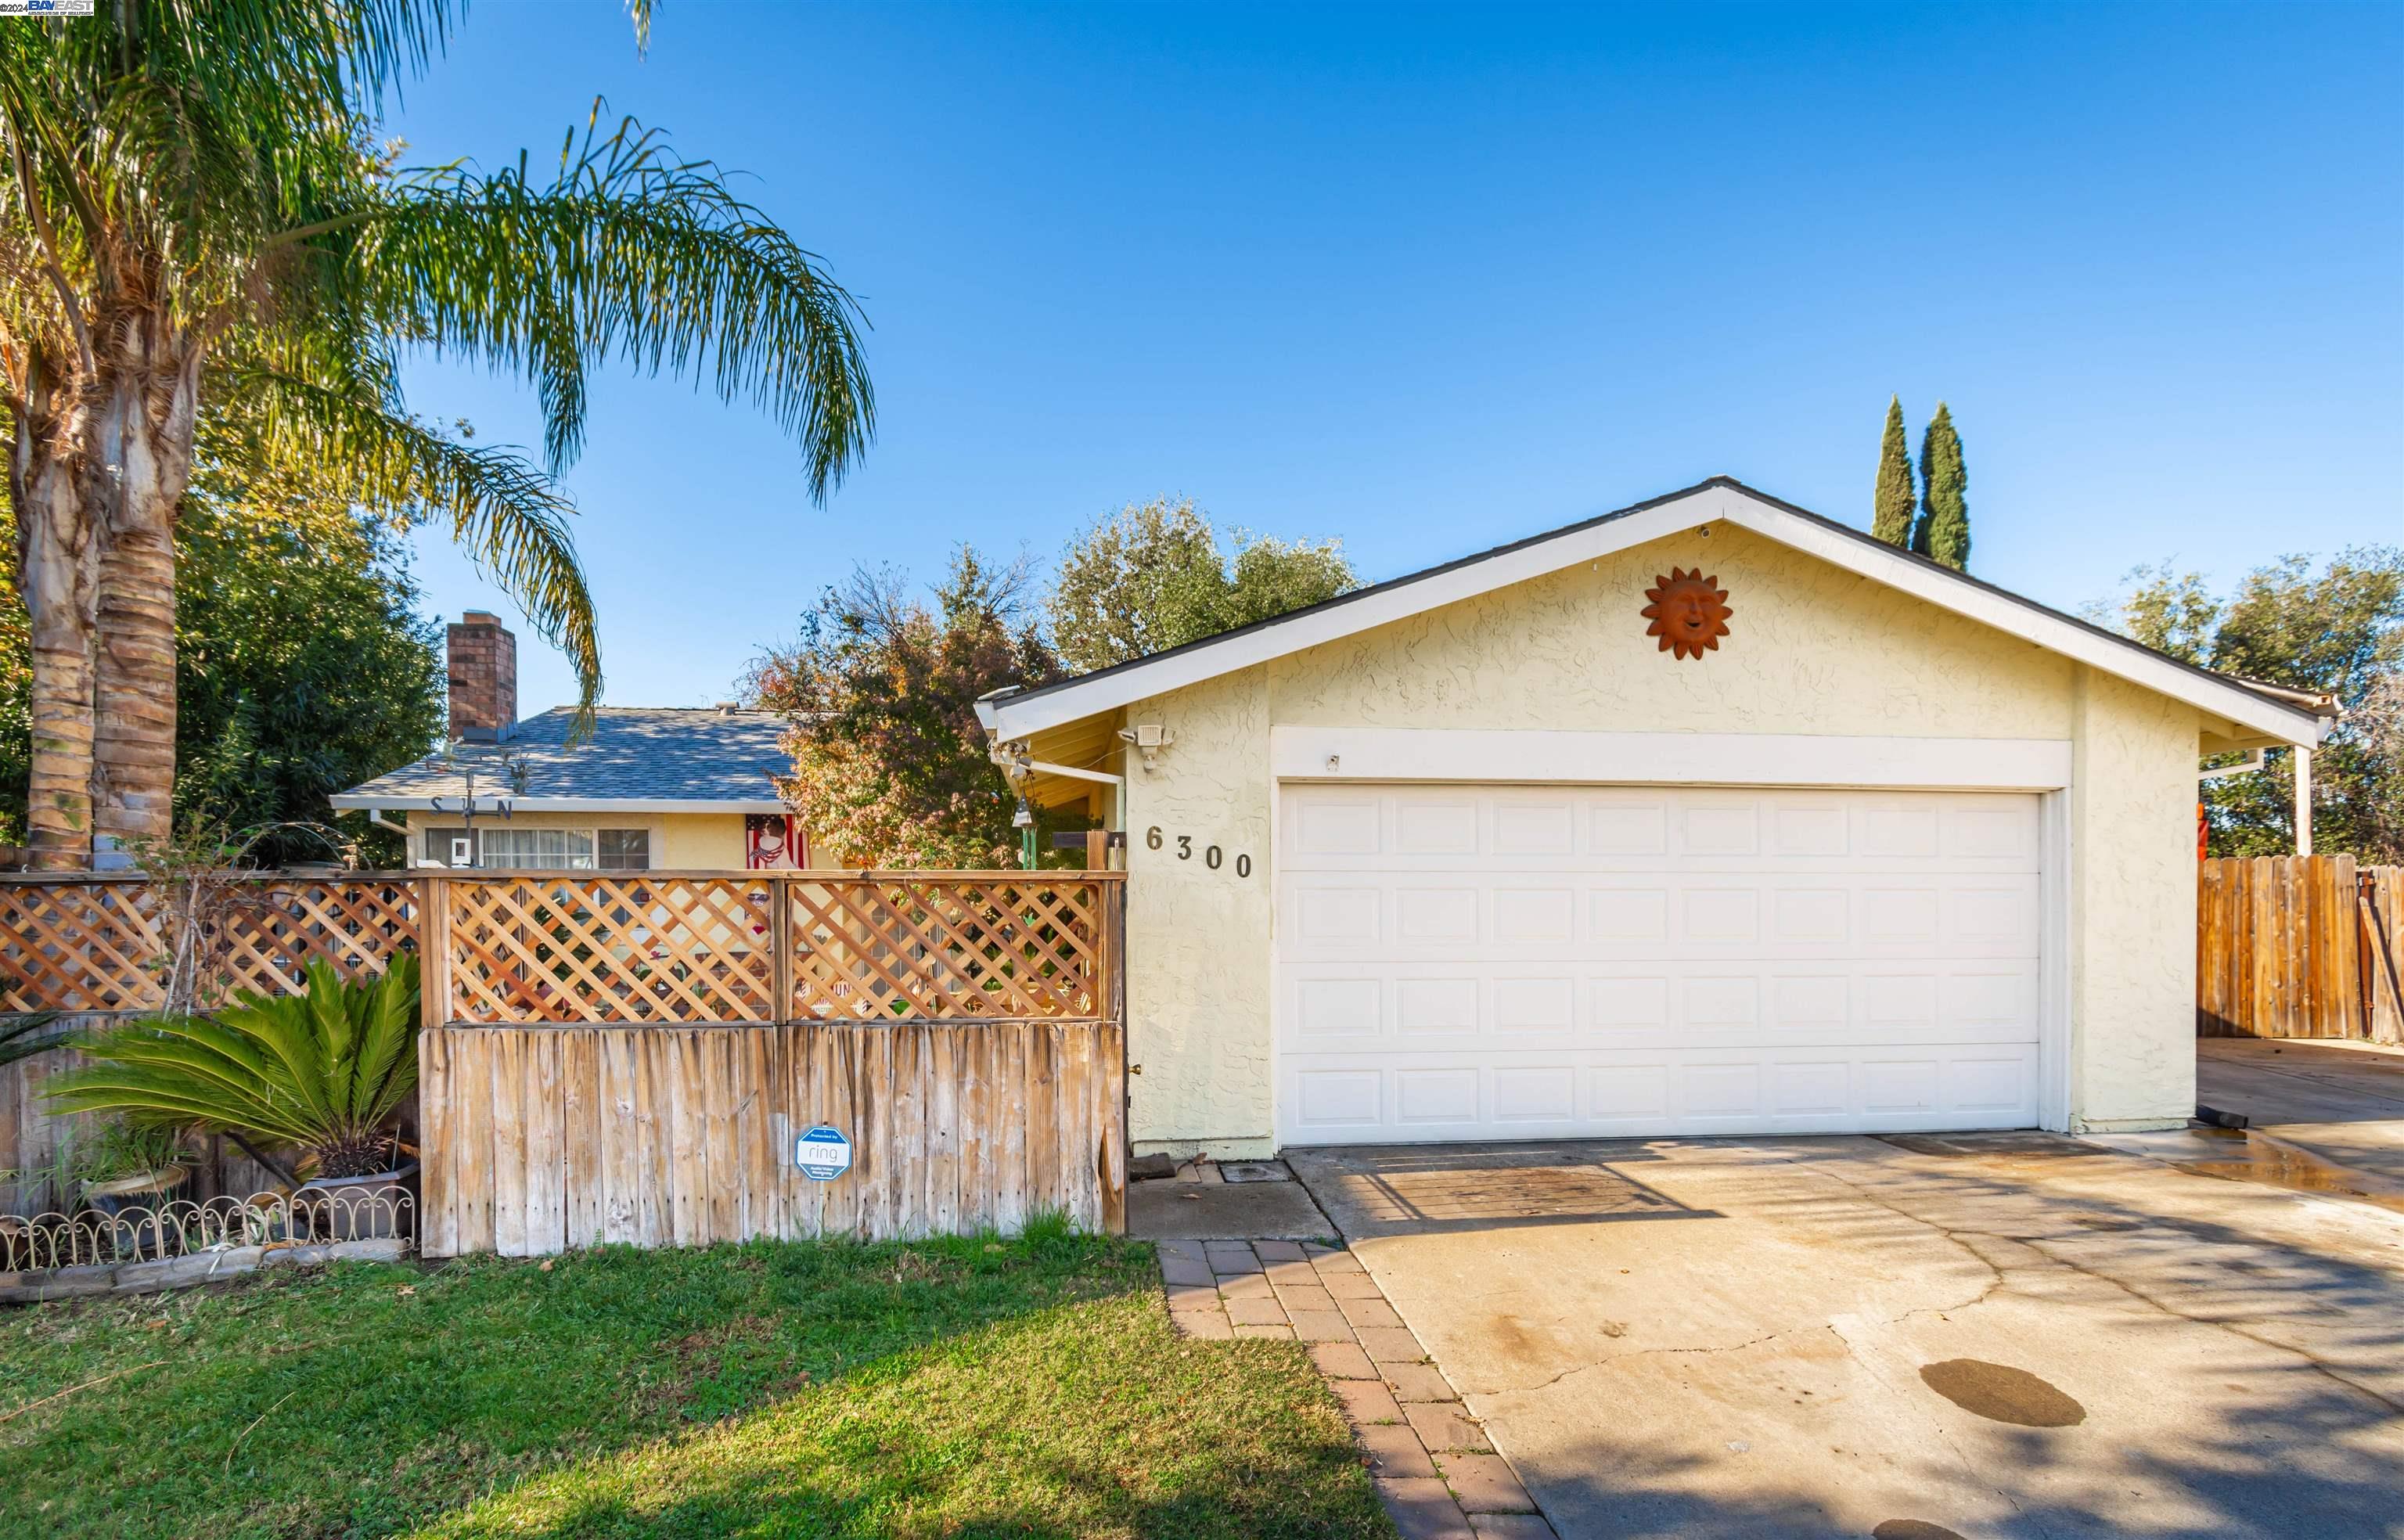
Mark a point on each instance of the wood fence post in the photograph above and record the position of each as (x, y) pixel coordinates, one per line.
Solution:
(434, 950)
(781, 947)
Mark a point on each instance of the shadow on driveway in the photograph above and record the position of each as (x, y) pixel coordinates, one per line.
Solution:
(1793, 1367)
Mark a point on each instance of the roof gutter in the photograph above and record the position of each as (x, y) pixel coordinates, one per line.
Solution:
(370, 801)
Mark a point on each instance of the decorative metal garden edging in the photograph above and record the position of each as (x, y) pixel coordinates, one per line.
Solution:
(185, 1227)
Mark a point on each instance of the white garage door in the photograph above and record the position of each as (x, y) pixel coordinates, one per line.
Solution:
(1512, 963)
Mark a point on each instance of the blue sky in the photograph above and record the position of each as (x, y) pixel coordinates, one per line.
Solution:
(1431, 278)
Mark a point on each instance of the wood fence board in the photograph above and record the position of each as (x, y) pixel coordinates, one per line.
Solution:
(507, 1093)
(2380, 947)
(974, 1213)
(687, 1200)
(1012, 1115)
(546, 1108)
(721, 1125)
(437, 1145)
(474, 1071)
(757, 1079)
(1042, 1114)
(622, 1136)
(579, 1079)
(1112, 1118)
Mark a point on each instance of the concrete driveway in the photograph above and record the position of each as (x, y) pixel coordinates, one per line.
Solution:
(1981, 1336)
(2345, 1103)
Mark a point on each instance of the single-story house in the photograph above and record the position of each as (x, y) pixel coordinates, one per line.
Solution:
(651, 789)
(1709, 815)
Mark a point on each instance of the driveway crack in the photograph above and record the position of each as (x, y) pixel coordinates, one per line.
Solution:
(2043, 1247)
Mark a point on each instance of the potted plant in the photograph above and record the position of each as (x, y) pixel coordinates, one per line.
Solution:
(324, 1072)
(122, 1164)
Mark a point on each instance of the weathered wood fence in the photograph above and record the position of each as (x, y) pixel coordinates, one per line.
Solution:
(2298, 946)
(628, 1055)
(541, 1139)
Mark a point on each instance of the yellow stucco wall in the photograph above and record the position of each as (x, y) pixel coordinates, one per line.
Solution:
(2133, 907)
(679, 841)
(1813, 650)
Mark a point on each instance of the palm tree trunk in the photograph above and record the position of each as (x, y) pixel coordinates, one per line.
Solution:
(58, 560)
(145, 429)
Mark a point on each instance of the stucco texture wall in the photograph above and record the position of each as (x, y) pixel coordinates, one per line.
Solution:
(2132, 908)
(1813, 650)
(1198, 964)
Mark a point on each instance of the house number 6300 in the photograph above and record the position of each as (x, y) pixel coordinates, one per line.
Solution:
(1211, 855)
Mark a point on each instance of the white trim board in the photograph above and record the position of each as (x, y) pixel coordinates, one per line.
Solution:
(354, 801)
(1727, 759)
(1720, 499)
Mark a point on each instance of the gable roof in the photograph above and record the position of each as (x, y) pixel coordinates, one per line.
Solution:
(2288, 716)
(639, 760)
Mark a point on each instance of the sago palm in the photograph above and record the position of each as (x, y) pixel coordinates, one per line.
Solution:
(323, 1071)
(199, 237)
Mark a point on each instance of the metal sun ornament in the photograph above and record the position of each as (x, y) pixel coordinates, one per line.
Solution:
(1689, 612)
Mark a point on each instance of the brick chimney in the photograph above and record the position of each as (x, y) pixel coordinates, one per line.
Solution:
(484, 666)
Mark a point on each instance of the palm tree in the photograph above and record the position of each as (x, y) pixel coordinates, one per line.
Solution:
(203, 250)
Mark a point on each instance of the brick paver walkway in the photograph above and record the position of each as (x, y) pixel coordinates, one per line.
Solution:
(1430, 1460)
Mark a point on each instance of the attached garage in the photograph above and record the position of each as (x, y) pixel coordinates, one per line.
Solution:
(1496, 961)
(1707, 817)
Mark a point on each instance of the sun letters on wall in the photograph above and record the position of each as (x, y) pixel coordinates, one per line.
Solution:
(1689, 612)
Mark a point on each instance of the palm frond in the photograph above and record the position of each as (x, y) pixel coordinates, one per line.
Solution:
(508, 515)
(33, 1033)
(626, 252)
(324, 1069)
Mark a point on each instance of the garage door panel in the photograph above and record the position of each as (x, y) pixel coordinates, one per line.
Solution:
(1692, 1091)
(1514, 1004)
(1464, 961)
(1700, 916)
(1633, 828)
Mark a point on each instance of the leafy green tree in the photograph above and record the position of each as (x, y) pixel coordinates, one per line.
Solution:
(2339, 631)
(890, 763)
(1156, 575)
(1891, 503)
(198, 225)
(303, 667)
(1943, 532)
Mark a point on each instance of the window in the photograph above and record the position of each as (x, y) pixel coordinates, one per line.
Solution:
(535, 850)
(625, 849)
(505, 847)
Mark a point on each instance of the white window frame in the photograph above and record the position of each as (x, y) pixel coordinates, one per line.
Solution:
(592, 832)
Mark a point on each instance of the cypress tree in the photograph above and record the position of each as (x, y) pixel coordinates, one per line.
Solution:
(1944, 530)
(1890, 509)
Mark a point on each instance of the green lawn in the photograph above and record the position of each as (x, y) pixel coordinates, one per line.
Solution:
(945, 1388)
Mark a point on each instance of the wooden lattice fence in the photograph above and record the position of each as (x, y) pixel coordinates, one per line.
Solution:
(523, 948)
(96, 945)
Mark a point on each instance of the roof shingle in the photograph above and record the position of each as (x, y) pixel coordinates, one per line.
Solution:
(635, 754)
